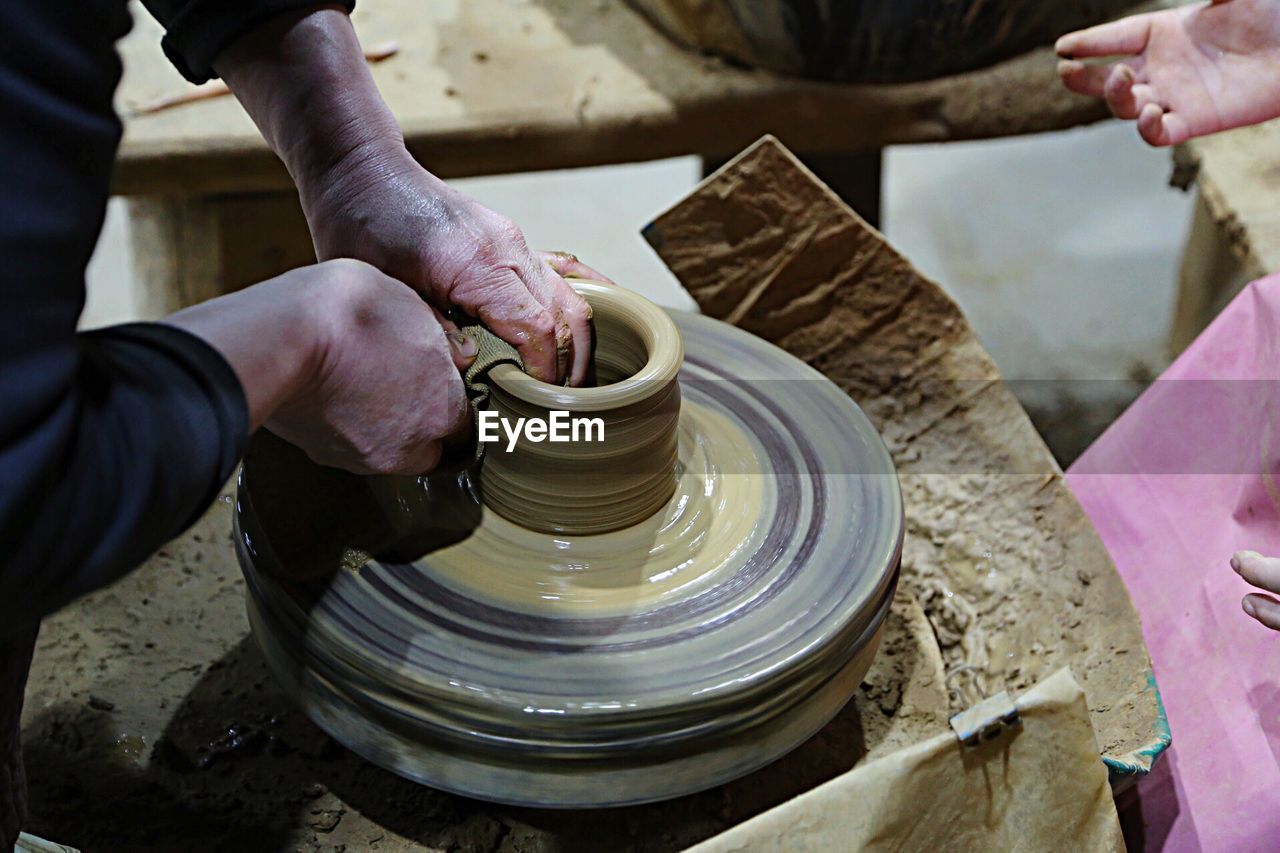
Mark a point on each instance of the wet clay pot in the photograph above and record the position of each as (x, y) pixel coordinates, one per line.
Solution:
(595, 486)
(743, 530)
(872, 41)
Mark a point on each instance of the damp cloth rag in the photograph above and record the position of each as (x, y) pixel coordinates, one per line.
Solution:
(1188, 475)
(491, 351)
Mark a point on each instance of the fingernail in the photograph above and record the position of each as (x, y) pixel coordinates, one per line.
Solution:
(1235, 562)
(464, 345)
(1247, 604)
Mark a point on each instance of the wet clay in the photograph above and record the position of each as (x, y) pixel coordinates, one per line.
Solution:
(628, 471)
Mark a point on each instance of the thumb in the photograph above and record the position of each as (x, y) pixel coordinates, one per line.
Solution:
(462, 347)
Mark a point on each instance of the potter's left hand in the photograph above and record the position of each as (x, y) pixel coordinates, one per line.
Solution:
(302, 77)
(388, 211)
(1264, 573)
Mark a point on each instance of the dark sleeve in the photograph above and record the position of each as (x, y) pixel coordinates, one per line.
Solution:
(198, 30)
(111, 441)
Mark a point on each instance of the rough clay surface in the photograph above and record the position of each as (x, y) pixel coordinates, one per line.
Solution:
(152, 724)
(1012, 576)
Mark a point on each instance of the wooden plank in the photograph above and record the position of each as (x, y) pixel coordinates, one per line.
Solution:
(1010, 572)
(494, 86)
(1235, 236)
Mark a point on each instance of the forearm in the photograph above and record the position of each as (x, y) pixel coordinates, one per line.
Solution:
(303, 79)
(273, 346)
(140, 426)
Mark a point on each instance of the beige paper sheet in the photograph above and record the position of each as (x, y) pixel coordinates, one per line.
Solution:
(1037, 787)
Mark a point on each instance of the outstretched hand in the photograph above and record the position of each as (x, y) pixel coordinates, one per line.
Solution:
(1185, 72)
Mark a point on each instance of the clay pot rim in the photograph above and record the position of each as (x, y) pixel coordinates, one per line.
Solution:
(653, 325)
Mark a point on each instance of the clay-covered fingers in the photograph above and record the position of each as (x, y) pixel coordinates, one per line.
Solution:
(568, 265)
(573, 308)
(1125, 37)
(511, 310)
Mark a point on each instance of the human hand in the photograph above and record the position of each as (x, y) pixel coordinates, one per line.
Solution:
(387, 210)
(346, 363)
(1190, 71)
(1264, 573)
(302, 77)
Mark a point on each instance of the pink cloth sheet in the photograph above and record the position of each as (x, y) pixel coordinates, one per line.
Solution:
(1187, 476)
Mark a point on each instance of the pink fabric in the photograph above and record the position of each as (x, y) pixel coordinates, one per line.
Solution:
(1187, 476)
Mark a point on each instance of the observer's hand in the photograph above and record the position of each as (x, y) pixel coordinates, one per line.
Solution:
(383, 208)
(1190, 71)
(345, 362)
(1264, 573)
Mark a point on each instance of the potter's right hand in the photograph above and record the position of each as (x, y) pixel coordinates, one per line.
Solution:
(345, 362)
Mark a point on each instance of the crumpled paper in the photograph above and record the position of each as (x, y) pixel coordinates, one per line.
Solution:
(1186, 477)
(1039, 786)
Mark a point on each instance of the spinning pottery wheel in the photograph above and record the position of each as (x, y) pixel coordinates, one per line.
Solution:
(590, 624)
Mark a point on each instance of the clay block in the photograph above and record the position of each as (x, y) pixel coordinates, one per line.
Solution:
(1011, 574)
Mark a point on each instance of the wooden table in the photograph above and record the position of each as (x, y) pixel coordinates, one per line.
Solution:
(498, 86)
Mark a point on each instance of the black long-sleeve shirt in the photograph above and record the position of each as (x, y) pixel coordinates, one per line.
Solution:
(112, 441)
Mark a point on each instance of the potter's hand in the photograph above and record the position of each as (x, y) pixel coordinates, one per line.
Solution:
(1264, 573)
(386, 209)
(304, 80)
(345, 362)
(1189, 71)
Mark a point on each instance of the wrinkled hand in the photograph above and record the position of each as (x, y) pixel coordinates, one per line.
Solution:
(386, 388)
(1264, 573)
(1191, 71)
(387, 210)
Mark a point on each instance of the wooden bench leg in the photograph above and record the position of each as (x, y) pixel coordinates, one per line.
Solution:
(189, 249)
